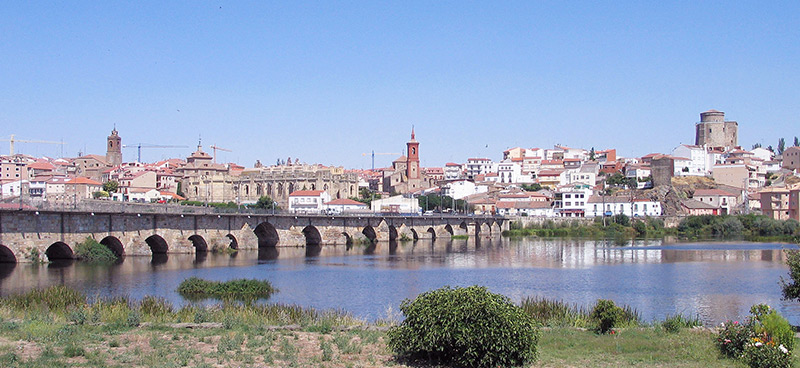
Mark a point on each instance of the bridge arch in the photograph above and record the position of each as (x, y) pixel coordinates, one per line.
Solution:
(199, 243)
(267, 235)
(114, 244)
(449, 229)
(414, 234)
(485, 228)
(157, 244)
(312, 235)
(234, 243)
(59, 250)
(463, 226)
(348, 240)
(370, 233)
(392, 233)
(6, 255)
(432, 232)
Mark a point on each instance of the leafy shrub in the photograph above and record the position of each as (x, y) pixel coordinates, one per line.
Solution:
(91, 251)
(607, 314)
(733, 338)
(760, 355)
(195, 288)
(466, 327)
(771, 327)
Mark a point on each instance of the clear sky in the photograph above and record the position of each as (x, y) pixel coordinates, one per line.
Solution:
(328, 81)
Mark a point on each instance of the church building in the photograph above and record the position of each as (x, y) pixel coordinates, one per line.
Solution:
(406, 175)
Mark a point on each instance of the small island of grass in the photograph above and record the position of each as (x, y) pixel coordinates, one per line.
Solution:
(195, 288)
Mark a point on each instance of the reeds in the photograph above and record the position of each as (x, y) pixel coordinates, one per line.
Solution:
(556, 313)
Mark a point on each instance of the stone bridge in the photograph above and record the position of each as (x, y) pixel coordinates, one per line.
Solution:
(28, 236)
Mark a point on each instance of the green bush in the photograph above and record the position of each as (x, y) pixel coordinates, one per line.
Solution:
(771, 327)
(91, 251)
(465, 327)
(195, 288)
(733, 338)
(607, 314)
(761, 355)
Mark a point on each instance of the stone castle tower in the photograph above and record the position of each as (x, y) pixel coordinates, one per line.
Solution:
(114, 149)
(714, 131)
(412, 160)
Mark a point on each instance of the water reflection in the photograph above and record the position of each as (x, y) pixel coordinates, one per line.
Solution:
(268, 253)
(713, 280)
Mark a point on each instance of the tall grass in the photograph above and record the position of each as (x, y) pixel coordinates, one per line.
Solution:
(195, 288)
(68, 305)
(54, 298)
(556, 313)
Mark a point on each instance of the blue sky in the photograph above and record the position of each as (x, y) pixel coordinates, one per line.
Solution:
(329, 81)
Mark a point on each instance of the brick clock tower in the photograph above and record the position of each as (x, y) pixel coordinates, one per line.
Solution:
(114, 149)
(412, 160)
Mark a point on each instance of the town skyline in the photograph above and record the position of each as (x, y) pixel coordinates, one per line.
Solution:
(328, 83)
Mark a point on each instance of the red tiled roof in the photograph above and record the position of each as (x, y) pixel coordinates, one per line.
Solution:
(712, 192)
(41, 166)
(345, 201)
(82, 180)
(306, 193)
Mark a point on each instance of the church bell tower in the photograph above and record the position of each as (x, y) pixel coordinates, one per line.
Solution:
(114, 149)
(412, 158)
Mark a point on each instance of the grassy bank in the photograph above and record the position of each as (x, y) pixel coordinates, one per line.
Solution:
(61, 327)
(746, 227)
(33, 343)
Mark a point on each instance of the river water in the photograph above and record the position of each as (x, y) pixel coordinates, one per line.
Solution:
(715, 281)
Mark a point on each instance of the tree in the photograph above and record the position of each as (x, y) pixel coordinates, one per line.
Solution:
(796, 141)
(757, 145)
(591, 154)
(791, 289)
(100, 194)
(110, 186)
(535, 187)
(781, 145)
(265, 202)
(769, 148)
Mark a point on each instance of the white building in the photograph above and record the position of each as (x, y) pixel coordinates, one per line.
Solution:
(396, 204)
(573, 202)
(699, 161)
(479, 166)
(453, 171)
(344, 205)
(510, 171)
(308, 201)
(459, 189)
(614, 205)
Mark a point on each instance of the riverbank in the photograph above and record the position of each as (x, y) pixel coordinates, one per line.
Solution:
(757, 228)
(31, 343)
(61, 327)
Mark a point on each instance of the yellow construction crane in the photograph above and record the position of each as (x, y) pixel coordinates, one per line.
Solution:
(381, 154)
(215, 148)
(12, 140)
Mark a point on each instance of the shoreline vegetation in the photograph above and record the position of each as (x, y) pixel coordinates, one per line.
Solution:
(60, 326)
(749, 227)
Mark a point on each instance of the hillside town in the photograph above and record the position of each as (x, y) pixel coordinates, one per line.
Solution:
(714, 176)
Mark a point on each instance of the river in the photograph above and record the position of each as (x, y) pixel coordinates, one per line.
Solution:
(713, 280)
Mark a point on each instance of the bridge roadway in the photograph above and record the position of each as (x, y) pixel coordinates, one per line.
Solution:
(29, 235)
